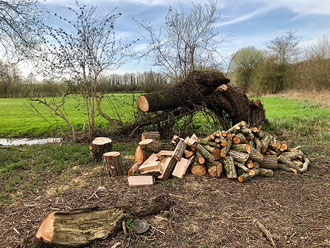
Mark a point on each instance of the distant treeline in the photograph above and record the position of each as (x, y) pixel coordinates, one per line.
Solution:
(12, 84)
(283, 66)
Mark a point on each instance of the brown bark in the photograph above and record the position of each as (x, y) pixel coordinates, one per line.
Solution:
(255, 155)
(191, 90)
(269, 162)
(112, 163)
(155, 135)
(239, 156)
(229, 167)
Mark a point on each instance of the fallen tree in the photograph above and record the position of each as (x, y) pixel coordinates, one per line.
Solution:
(203, 89)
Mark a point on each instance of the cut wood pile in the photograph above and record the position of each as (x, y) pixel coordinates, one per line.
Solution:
(240, 153)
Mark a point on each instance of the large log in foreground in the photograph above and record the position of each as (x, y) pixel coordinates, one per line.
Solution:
(208, 89)
(81, 226)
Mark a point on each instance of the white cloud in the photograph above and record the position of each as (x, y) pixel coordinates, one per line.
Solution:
(258, 12)
(305, 7)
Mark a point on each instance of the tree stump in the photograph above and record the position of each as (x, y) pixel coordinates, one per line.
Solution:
(99, 146)
(113, 165)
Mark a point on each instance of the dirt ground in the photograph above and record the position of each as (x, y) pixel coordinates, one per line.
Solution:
(207, 212)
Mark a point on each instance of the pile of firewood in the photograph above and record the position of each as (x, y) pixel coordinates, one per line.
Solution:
(241, 152)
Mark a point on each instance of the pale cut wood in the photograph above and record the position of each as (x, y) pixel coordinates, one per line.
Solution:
(293, 155)
(198, 170)
(192, 140)
(134, 168)
(288, 162)
(247, 176)
(154, 135)
(112, 163)
(99, 146)
(188, 154)
(284, 167)
(148, 167)
(145, 148)
(305, 166)
(164, 153)
(182, 167)
(134, 181)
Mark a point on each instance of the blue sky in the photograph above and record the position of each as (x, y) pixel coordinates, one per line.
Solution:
(243, 22)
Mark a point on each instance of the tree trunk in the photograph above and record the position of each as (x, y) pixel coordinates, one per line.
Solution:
(191, 90)
(269, 162)
(155, 135)
(112, 163)
(99, 146)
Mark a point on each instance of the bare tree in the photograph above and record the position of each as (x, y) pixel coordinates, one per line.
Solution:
(20, 26)
(82, 49)
(285, 48)
(186, 41)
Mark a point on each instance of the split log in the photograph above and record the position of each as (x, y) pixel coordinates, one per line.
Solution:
(191, 90)
(269, 162)
(99, 146)
(145, 148)
(241, 147)
(154, 135)
(164, 153)
(198, 170)
(188, 154)
(135, 181)
(255, 155)
(239, 156)
(112, 163)
(171, 162)
(182, 167)
(192, 140)
(229, 167)
(179, 150)
(215, 169)
(82, 226)
(134, 169)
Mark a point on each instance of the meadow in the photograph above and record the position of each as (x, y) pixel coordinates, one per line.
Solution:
(18, 119)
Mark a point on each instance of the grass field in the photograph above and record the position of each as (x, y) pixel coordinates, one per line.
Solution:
(35, 179)
(17, 119)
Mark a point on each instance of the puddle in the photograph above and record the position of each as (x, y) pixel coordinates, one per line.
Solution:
(29, 142)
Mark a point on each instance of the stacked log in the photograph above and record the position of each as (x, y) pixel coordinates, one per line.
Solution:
(241, 153)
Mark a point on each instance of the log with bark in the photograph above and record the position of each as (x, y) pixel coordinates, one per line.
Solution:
(82, 226)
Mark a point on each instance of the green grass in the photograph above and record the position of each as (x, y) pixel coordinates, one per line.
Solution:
(29, 168)
(298, 117)
(18, 120)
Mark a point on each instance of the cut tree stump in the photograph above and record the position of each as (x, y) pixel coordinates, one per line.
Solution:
(155, 135)
(99, 146)
(112, 163)
(144, 150)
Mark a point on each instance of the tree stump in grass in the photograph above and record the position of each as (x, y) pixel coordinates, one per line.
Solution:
(113, 165)
(99, 146)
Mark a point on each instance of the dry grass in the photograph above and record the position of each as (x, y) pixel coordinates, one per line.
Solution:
(320, 98)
